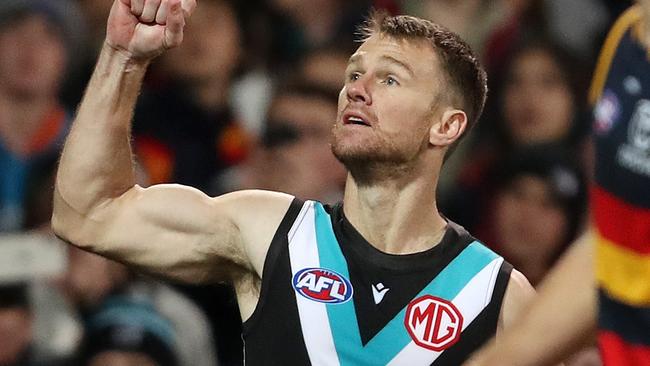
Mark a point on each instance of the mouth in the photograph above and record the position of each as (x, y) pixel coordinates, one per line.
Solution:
(355, 119)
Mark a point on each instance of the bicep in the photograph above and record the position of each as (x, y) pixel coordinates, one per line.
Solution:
(170, 230)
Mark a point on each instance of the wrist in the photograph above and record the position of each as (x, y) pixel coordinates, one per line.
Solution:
(123, 59)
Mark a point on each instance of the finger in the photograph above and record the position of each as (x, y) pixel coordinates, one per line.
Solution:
(188, 7)
(163, 10)
(149, 11)
(136, 7)
(175, 24)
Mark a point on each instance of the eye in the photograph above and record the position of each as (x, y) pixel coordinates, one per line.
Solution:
(390, 81)
(354, 76)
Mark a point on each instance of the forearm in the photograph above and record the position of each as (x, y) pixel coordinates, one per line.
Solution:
(558, 323)
(97, 163)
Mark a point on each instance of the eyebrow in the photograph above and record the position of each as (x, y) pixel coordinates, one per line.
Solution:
(392, 60)
(399, 63)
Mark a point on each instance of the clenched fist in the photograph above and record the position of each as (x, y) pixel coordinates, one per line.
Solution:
(145, 28)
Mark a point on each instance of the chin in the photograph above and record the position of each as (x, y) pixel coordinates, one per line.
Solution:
(368, 155)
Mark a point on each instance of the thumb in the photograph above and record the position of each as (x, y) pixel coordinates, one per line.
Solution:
(175, 24)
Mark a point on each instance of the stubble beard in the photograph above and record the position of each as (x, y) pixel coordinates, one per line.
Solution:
(374, 157)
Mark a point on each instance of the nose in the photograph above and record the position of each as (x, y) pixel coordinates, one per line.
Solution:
(357, 91)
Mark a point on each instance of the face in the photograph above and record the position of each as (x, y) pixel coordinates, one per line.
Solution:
(315, 173)
(211, 46)
(385, 106)
(525, 212)
(539, 105)
(15, 334)
(33, 57)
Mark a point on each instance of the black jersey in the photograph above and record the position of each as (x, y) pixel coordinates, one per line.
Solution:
(329, 297)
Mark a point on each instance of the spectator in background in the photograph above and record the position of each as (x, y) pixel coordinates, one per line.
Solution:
(15, 326)
(538, 211)
(539, 97)
(35, 39)
(128, 332)
(295, 156)
(294, 27)
(95, 13)
(324, 67)
(471, 19)
(186, 131)
(538, 105)
(92, 283)
(21, 333)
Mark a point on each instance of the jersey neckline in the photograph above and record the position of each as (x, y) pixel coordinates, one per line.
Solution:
(351, 240)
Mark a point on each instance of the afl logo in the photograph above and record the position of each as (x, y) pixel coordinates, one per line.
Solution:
(322, 285)
(433, 323)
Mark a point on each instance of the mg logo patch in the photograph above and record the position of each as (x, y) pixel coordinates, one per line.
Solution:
(433, 323)
(322, 285)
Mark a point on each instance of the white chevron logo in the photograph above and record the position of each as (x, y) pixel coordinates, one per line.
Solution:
(378, 292)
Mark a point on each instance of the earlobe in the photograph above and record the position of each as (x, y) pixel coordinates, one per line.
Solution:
(448, 128)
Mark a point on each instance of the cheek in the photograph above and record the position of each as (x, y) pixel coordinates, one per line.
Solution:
(559, 106)
(54, 60)
(403, 117)
(9, 57)
(552, 227)
(511, 103)
(342, 102)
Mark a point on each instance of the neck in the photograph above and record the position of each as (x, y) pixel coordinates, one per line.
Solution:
(397, 215)
(20, 118)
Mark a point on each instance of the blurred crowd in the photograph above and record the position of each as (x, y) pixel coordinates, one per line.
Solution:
(248, 101)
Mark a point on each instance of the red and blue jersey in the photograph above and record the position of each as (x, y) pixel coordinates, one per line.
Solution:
(620, 196)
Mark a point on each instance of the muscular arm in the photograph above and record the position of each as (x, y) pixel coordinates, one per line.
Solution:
(557, 323)
(169, 230)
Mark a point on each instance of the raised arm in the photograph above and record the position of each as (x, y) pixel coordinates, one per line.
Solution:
(170, 230)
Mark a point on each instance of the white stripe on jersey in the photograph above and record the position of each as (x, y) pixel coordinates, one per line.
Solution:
(303, 253)
(466, 303)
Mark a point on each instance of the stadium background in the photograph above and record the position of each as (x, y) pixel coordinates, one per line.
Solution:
(247, 102)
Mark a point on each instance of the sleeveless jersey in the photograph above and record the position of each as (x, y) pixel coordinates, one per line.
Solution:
(620, 197)
(328, 297)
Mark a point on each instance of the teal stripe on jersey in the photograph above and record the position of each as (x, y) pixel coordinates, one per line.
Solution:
(393, 337)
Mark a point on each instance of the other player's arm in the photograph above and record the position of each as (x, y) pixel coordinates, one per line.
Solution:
(170, 230)
(557, 323)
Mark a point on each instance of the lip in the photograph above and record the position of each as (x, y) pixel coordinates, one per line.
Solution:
(366, 120)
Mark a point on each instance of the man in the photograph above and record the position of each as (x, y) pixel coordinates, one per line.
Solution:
(385, 280)
(620, 232)
(35, 38)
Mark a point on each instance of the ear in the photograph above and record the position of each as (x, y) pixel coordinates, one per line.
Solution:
(448, 128)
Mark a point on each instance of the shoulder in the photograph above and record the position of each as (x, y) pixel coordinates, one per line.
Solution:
(257, 214)
(249, 208)
(518, 296)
